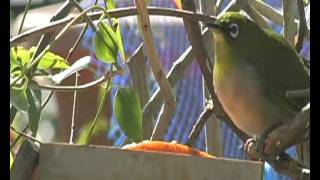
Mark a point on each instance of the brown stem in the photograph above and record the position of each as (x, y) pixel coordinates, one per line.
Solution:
(165, 88)
(117, 13)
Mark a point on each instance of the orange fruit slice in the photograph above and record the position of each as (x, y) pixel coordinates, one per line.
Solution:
(166, 147)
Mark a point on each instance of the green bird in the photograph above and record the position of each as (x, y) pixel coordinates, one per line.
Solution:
(253, 70)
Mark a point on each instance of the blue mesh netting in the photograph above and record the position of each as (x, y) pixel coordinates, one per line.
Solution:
(171, 41)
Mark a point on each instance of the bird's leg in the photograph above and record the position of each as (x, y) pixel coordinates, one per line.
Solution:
(255, 147)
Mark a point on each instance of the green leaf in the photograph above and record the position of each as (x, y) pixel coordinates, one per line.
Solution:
(11, 160)
(105, 43)
(18, 97)
(48, 61)
(14, 63)
(34, 112)
(128, 112)
(119, 41)
(110, 4)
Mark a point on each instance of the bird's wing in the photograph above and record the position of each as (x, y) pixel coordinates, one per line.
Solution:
(281, 71)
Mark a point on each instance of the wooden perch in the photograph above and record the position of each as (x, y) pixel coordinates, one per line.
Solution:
(279, 140)
(169, 100)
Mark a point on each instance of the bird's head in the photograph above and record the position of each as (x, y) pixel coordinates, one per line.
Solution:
(236, 29)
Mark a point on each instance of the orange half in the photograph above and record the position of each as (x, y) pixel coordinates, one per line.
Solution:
(166, 147)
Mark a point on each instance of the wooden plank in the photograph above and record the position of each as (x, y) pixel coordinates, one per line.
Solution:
(62, 161)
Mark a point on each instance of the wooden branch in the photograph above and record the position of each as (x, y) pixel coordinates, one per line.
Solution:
(273, 14)
(288, 20)
(116, 13)
(175, 73)
(256, 16)
(302, 26)
(278, 141)
(267, 11)
(30, 137)
(137, 66)
(169, 99)
(195, 132)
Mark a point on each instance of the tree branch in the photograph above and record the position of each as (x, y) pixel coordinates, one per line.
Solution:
(278, 141)
(169, 99)
(302, 26)
(117, 13)
(175, 73)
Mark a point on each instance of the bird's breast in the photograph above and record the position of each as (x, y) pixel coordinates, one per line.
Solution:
(240, 95)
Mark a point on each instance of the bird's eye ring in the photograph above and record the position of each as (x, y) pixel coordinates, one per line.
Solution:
(234, 30)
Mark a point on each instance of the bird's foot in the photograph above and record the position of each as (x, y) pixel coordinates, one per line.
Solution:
(257, 147)
(254, 148)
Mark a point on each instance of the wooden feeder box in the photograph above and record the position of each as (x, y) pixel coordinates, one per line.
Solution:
(74, 162)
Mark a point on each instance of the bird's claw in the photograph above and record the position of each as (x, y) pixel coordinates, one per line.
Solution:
(254, 148)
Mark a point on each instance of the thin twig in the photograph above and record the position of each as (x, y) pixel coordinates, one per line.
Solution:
(302, 26)
(175, 73)
(117, 13)
(73, 127)
(103, 100)
(273, 14)
(18, 138)
(80, 9)
(71, 51)
(267, 11)
(256, 16)
(25, 135)
(60, 13)
(204, 116)
(86, 86)
(165, 88)
(24, 15)
(44, 104)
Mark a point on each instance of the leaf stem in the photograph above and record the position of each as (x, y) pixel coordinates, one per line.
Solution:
(103, 99)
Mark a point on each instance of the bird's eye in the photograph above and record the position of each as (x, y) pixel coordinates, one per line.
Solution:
(234, 30)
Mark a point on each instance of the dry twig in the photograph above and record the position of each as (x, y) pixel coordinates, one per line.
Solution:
(169, 99)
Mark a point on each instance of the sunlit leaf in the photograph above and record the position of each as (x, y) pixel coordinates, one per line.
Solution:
(48, 61)
(120, 44)
(110, 4)
(105, 43)
(128, 112)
